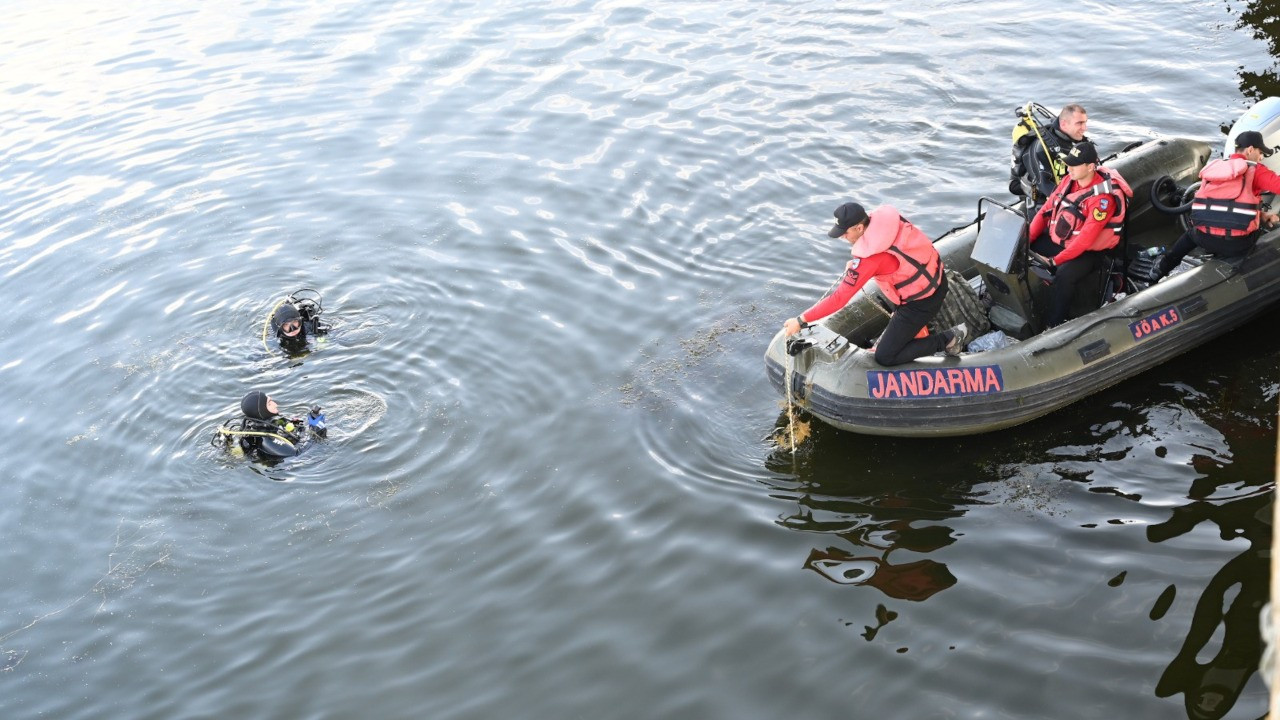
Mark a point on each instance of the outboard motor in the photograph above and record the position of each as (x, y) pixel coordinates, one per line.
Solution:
(1265, 118)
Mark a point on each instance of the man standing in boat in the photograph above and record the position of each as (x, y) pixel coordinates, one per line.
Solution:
(1226, 211)
(908, 271)
(1039, 150)
(1082, 219)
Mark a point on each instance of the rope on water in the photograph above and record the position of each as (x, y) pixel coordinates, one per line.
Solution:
(791, 410)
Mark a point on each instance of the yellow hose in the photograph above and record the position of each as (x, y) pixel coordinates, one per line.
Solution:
(257, 433)
(267, 324)
(1055, 165)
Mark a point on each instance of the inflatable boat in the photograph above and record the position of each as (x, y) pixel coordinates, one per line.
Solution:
(1129, 326)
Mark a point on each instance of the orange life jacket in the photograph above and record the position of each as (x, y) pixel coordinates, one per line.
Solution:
(1069, 217)
(1226, 203)
(919, 268)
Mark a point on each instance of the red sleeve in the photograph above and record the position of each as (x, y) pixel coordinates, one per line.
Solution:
(1264, 180)
(1039, 222)
(1095, 219)
(859, 271)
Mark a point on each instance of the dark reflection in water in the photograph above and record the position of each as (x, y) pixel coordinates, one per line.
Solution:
(870, 517)
(1232, 600)
(867, 522)
(1211, 410)
(1262, 17)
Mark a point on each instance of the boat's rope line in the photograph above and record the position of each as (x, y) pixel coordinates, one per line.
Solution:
(791, 414)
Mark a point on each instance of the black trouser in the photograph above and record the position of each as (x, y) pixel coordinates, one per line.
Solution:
(899, 344)
(1221, 246)
(1066, 279)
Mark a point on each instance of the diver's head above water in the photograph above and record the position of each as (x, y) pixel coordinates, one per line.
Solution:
(258, 406)
(287, 322)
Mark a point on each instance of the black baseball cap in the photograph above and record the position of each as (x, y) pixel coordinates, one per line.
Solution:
(1253, 138)
(847, 215)
(1082, 154)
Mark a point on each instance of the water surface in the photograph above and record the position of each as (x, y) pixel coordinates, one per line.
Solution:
(554, 240)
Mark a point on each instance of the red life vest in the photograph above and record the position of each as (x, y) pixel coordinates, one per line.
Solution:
(1226, 203)
(1069, 217)
(919, 268)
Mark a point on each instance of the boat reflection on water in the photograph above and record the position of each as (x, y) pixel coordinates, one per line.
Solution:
(1228, 609)
(916, 581)
(869, 516)
(874, 527)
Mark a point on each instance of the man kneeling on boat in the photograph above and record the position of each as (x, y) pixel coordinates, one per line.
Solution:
(909, 272)
(1083, 218)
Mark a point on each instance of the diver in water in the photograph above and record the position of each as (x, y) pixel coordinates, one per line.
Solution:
(296, 317)
(263, 432)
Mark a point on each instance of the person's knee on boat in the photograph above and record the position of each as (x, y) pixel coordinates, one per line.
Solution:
(1080, 221)
(908, 271)
(902, 341)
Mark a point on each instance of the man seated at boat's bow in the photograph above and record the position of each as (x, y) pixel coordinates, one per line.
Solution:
(909, 272)
(1080, 221)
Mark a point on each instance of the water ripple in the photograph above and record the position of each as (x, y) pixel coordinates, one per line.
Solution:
(552, 241)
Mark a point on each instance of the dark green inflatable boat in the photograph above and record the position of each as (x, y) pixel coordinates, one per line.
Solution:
(1139, 326)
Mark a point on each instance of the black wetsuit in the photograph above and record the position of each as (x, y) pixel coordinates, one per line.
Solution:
(271, 447)
(305, 314)
(266, 433)
(1030, 172)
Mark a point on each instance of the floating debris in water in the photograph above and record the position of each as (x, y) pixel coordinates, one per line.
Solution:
(793, 433)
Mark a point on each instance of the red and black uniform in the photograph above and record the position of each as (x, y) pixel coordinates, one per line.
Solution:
(1083, 218)
(1226, 210)
(1082, 222)
(909, 272)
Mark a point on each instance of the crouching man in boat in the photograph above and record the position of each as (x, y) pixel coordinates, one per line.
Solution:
(1081, 220)
(1226, 211)
(909, 272)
